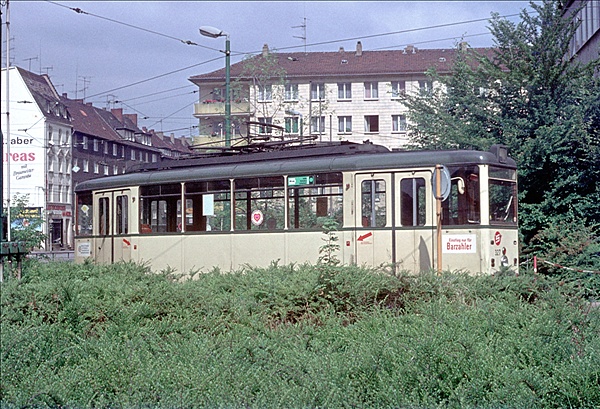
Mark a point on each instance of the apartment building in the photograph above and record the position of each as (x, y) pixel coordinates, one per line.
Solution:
(54, 142)
(585, 44)
(37, 151)
(330, 96)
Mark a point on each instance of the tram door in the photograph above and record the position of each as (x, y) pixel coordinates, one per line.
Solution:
(112, 223)
(373, 218)
(415, 228)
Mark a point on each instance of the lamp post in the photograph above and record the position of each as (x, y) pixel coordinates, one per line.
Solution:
(215, 33)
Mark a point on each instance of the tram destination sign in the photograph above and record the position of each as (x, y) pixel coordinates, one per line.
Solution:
(301, 180)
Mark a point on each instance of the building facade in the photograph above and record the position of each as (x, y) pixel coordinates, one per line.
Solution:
(54, 142)
(329, 96)
(585, 44)
(37, 152)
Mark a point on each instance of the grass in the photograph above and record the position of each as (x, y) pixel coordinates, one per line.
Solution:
(298, 336)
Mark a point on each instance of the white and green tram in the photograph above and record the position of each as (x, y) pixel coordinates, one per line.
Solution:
(229, 210)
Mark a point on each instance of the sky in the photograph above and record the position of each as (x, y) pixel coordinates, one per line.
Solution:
(135, 52)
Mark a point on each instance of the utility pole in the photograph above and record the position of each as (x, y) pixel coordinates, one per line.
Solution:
(8, 248)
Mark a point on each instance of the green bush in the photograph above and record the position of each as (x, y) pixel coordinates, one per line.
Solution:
(296, 336)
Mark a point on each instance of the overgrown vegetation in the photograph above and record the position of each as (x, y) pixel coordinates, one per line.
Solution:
(545, 108)
(296, 336)
(26, 223)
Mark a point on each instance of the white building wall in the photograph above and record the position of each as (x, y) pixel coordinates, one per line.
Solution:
(357, 108)
(37, 158)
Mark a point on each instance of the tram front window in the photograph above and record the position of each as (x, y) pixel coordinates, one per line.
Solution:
(462, 207)
(503, 196)
(84, 214)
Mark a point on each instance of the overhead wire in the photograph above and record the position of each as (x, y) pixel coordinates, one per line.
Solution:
(189, 42)
(158, 92)
(153, 78)
(168, 116)
(162, 99)
(410, 30)
(430, 41)
(81, 11)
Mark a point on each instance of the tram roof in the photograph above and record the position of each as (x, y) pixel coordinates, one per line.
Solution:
(336, 157)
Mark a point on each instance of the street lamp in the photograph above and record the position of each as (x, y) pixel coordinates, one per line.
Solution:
(215, 33)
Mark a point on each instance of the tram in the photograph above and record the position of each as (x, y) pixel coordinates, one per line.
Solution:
(227, 210)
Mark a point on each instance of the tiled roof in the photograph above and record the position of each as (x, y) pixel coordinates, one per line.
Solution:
(351, 63)
(89, 120)
(170, 143)
(44, 94)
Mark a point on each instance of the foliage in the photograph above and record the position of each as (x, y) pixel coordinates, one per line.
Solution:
(528, 96)
(264, 73)
(570, 244)
(28, 229)
(327, 250)
(284, 337)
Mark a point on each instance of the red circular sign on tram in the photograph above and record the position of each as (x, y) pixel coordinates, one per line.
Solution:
(497, 238)
(257, 217)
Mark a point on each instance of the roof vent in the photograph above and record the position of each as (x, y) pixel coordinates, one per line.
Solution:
(344, 61)
(410, 49)
(442, 59)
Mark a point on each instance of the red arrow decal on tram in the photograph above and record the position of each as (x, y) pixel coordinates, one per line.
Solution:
(364, 236)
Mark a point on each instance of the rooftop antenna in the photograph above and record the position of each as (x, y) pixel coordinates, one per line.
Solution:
(49, 68)
(29, 60)
(303, 36)
(6, 50)
(86, 81)
(111, 99)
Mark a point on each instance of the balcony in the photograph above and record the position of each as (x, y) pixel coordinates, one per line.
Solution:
(217, 108)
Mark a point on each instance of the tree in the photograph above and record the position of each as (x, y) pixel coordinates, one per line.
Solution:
(25, 225)
(263, 79)
(530, 97)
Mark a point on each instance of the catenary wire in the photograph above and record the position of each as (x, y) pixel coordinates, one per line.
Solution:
(188, 42)
(80, 11)
(153, 78)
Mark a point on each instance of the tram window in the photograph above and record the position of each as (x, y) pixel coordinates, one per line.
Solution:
(103, 217)
(503, 202)
(122, 214)
(462, 207)
(208, 206)
(373, 203)
(413, 208)
(159, 208)
(313, 199)
(84, 214)
(259, 203)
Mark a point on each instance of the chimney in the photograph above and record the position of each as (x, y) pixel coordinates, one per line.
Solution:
(118, 113)
(265, 50)
(463, 45)
(132, 118)
(341, 49)
(64, 95)
(358, 49)
(410, 49)
(173, 139)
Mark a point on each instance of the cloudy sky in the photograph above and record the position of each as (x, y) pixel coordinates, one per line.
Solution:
(134, 52)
